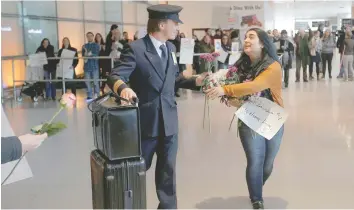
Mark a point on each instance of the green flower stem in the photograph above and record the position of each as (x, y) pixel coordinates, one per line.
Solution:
(56, 114)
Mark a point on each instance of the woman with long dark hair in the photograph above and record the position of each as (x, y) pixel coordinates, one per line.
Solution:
(49, 69)
(260, 71)
(113, 49)
(101, 62)
(66, 45)
(226, 46)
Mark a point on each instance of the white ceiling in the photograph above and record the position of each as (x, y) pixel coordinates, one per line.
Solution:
(311, 9)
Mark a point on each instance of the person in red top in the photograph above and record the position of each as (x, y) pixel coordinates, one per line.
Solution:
(260, 72)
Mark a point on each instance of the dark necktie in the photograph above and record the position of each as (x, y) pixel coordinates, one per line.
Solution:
(164, 58)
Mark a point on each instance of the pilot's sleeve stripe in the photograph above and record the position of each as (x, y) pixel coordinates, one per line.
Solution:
(117, 84)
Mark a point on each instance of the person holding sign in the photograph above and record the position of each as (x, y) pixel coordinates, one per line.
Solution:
(67, 46)
(49, 68)
(260, 74)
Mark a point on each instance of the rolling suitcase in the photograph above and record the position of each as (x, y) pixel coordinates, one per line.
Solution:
(118, 184)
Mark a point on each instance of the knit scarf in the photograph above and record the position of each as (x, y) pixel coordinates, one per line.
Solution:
(248, 71)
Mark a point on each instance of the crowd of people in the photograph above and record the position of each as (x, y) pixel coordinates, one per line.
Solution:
(94, 68)
(306, 48)
(315, 47)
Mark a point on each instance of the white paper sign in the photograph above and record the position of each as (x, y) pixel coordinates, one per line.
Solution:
(234, 57)
(262, 115)
(38, 59)
(187, 51)
(235, 46)
(23, 170)
(65, 65)
(217, 44)
(277, 45)
(142, 32)
(223, 56)
(34, 72)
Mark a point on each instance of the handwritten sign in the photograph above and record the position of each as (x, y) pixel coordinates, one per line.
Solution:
(235, 47)
(262, 115)
(65, 68)
(38, 59)
(234, 57)
(187, 51)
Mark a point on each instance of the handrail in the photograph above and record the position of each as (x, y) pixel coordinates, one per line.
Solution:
(25, 57)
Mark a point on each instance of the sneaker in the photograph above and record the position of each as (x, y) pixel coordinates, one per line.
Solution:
(258, 205)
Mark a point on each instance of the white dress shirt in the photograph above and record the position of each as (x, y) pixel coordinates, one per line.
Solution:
(157, 45)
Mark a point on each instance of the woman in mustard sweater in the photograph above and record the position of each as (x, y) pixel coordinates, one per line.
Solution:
(258, 64)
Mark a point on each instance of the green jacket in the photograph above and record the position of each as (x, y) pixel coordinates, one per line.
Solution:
(302, 48)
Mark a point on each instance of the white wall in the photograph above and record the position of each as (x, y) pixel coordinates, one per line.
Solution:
(199, 14)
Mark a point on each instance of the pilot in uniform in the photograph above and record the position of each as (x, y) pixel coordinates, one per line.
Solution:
(150, 67)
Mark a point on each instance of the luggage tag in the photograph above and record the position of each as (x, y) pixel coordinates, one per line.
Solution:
(174, 58)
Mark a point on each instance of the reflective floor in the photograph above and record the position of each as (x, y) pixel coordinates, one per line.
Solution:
(314, 168)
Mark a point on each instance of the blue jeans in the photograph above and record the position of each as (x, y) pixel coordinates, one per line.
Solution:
(260, 154)
(50, 90)
(92, 75)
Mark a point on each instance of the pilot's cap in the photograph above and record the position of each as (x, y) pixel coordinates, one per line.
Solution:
(164, 11)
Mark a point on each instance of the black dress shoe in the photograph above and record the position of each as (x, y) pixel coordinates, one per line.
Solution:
(177, 95)
(258, 205)
(306, 80)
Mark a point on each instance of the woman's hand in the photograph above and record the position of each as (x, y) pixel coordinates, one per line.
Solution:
(215, 92)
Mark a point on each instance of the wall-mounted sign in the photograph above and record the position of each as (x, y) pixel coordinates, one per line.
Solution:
(317, 23)
(301, 25)
(6, 28)
(348, 22)
(34, 31)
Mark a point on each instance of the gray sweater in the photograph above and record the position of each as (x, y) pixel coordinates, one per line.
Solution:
(349, 47)
(11, 149)
(328, 45)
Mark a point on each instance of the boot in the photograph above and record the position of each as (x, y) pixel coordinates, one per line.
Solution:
(258, 205)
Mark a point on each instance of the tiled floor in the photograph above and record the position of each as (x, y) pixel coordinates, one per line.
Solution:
(314, 169)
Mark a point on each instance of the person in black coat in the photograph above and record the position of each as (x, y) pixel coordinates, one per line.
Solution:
(49, 69)
(66, 45)
(151, 68)
(226, 46)
(101, 62)
(286, 47)
(112, 37)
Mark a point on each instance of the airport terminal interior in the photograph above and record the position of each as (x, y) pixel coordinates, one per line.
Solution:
(314, 168)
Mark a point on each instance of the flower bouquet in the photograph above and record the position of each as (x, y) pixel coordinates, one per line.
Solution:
(50, 127)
